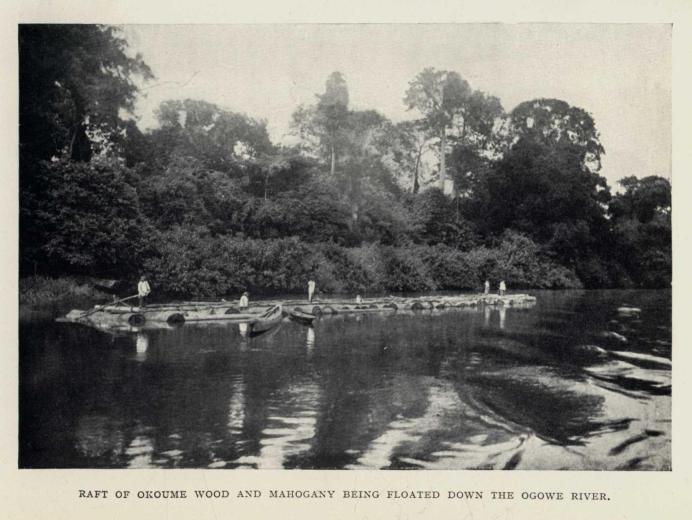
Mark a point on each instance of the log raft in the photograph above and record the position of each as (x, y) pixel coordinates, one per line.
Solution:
(195, 312)
(418, 303)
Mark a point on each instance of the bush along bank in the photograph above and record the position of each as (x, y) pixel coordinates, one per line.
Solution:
(46, 296)
(192, 263)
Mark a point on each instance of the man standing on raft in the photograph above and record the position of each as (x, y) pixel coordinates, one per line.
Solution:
(311, 289)
(244, 302)
(143, 290)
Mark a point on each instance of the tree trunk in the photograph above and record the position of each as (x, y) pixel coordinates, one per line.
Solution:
(70, 147)
(443, 150)
(333, 161)
(416, 185)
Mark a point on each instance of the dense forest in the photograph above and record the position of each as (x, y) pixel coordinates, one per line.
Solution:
(207, 205)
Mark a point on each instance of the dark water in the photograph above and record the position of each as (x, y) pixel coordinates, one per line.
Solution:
(538, 388)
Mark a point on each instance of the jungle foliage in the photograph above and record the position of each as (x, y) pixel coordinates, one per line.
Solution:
(207, 205)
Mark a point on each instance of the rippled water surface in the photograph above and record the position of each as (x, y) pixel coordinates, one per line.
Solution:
(549, 387)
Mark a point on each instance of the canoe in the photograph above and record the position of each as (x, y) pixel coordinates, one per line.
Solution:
(301, 317)
(266, 321)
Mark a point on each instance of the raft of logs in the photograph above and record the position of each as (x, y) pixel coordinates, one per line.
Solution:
(391, 303)
(201, 312)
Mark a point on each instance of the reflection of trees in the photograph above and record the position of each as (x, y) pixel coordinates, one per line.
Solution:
(62, 371)
(198, 397)
(209, 400)
(534, 400)
(371, 375)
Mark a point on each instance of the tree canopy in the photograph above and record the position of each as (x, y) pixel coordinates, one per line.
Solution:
(206, 203)
(449, 105)
(75, 82)
(555, 122)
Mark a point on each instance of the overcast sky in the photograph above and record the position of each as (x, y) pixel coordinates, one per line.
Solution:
(620, 73)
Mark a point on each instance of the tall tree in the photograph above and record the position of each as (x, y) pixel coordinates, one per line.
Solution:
(409, 141)
(75, 82)
(323, 125)
(219, 139)
(332, 110)
(438, 95)
(553, 121)
(641, 222)
(450, 108)
(642, 199)
(547, 192)
(365, 146)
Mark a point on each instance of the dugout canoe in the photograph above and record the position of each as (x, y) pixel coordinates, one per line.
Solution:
(266, 321)
(300, 316)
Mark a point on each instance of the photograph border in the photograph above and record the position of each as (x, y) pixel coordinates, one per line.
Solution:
(53, 493)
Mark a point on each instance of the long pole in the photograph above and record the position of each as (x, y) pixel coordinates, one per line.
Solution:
(99, 307)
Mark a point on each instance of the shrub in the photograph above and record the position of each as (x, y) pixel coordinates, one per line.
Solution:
(86, 218)
(191, 262)
(405, 270)
(369, 264)
(40, 291)
(519, 261)
(450, 268)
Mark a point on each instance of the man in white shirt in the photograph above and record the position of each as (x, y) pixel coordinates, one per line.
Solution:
(143, 290)
(311, 289)
(503, 288)
(244, 302)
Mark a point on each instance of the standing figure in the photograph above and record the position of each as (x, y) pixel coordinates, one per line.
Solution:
(244, 302)
(143, 290)
(311, 289)
(503, 288)
(359, 300)
(486, 288)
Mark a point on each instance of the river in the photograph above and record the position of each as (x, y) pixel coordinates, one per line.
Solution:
(572, 383)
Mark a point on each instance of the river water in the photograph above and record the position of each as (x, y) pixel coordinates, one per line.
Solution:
(546, 387)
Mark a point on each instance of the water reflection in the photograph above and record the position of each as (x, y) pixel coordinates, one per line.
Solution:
(310, 340)
(141, 345)
(489, 311)
(486, 388)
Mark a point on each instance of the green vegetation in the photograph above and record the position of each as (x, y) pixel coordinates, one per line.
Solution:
(207, 205)
(40, 291)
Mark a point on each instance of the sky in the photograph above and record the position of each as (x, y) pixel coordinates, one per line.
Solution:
(620, 73)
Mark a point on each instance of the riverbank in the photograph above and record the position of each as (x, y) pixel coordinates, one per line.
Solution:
(41, 296)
